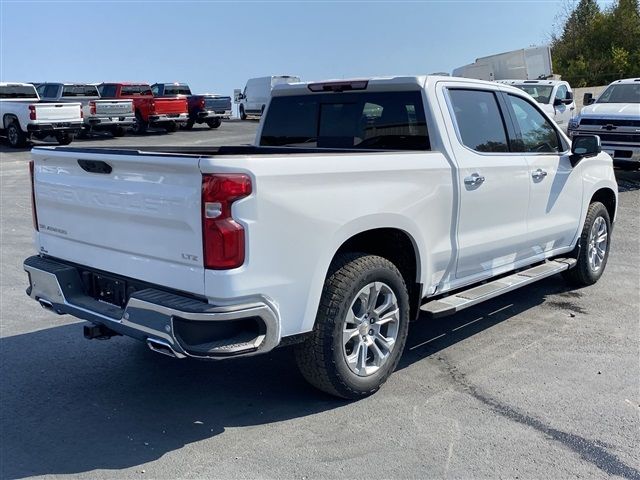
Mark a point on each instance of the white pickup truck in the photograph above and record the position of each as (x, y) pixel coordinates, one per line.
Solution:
(362, 204)
(24, 116)
(554, 96)
(99, 114)
(615, 117)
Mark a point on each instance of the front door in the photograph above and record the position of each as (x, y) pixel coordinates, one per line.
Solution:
(493, 183)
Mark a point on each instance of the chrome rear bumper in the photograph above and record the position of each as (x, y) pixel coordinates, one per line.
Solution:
(168, 322)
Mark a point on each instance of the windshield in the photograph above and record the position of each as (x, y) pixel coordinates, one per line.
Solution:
(621, 93)
(18, 91)
(540, 93)
(80, 91)
(374, 121)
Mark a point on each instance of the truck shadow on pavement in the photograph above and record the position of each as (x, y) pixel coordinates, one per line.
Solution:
(71, 406)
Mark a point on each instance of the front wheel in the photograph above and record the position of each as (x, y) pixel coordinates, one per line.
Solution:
(360, 330)
(64, 138)
(595, 242)
(243, 115)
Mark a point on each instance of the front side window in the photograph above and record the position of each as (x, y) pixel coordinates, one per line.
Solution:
(621, 93)
(479, 120)
(107, 90)
(561, 94)
(374, 121)
(537, 133)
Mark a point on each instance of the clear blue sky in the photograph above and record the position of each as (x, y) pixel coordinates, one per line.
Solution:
(216, 46)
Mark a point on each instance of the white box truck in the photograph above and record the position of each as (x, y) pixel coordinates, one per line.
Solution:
(525, 64)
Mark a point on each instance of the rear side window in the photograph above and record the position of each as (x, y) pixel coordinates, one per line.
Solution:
(49, 91)
(79, 91)
(537, 133)
(368, 121)
(18, 91)
(479, 120)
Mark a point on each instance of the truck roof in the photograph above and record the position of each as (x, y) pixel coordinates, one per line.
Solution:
(123, 83)
(15, 84)
(626, 80)
(374, 83)
(532, 82)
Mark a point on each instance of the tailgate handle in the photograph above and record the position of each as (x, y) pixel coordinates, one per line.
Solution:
(95, 166)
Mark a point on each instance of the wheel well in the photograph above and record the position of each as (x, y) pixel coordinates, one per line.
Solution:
(396, 246)
(7, 119)
(608, 199)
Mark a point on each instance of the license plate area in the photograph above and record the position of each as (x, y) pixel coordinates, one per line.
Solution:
(105, 288)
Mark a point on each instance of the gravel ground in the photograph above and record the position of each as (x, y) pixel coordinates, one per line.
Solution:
(539, 383)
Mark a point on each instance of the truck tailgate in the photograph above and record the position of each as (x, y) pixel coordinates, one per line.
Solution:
(114, 108)
(171, 105)
(57, 112)
(218, 104)
(141, 220)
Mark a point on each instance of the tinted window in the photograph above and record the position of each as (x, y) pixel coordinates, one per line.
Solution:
(18, 91)
(176, 90)
(479, 120)
(538, 135)
(49, 91)
(621, 93)
(79, 91)
(135, 90)
(391, 120)
(107, 90)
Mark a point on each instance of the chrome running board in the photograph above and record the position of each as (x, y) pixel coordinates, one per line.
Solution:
(467, 298)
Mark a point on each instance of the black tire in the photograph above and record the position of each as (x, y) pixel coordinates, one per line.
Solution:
(118, 131)
(140, 126)
(189, 125)
(64, 138)
(83, 133)
(321, 358)
(15, 136)
(584, 274)
(243, 115)
(214, 123)
(171, 127)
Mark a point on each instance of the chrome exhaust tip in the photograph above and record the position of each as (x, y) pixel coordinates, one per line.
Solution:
(162, 347)
(46, 304)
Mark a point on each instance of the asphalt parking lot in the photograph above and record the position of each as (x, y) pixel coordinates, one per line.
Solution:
(540, 383)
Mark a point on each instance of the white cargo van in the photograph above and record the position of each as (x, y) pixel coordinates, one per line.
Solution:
(257, 92)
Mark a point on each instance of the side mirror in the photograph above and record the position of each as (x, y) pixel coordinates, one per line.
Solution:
(558, 101)
(588, 99)
(584, 146)
(569, 96)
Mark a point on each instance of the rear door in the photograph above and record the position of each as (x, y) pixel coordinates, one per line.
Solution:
(555, 186)
(492, 180)
(136, 215)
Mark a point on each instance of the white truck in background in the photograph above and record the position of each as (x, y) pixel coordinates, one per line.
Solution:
(114, 116)
(525, 64)
(554, 96)
(24, 116)
(256, 94)
(362, 204)
(615, 117)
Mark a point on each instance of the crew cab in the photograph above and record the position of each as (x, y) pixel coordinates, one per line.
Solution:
(114, 116)
(24, 116)
(361, 205)
(167, 113)
(615, 117)
(554, 96)
(205, 108)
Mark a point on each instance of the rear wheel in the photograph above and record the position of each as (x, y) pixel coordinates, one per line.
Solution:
(243, 115)
(140, 126)
(64, 138)
(360, 330)
(15, 136)
(594, 247)
(214, 123)
(117, 131)
(189, 125)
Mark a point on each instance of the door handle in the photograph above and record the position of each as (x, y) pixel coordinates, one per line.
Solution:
(474, 180)
(539, 174)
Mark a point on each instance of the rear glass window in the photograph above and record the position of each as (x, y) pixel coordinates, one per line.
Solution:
(79, 91)
(18, 91)
(135, 90)
(176, 90)
(376, 121)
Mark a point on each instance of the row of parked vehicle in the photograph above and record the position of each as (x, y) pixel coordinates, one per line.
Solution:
(64, 110)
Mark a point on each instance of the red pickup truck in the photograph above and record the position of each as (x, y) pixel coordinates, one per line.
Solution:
(167, 113)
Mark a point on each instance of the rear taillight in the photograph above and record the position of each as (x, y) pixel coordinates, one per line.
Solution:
(152, 106)
(32, 112)
(92, 108)
(222, 237)
(202, 103)
(34, 214)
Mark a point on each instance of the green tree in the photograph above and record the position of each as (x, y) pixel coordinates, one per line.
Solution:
(595, 47)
